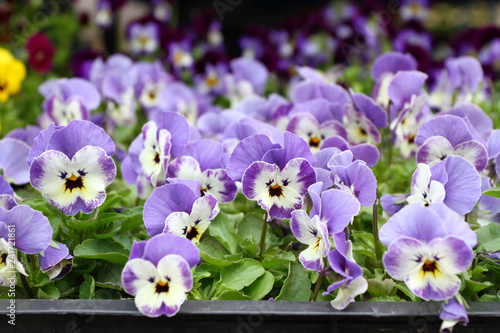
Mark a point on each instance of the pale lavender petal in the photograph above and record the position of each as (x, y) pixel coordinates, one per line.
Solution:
(32, 229)
(161, 245)
(163, 201)
(453, 128)
(370, 109)
(13, 155)
(219, 184)
(415, 221)
(178, 127)
(27, 134)
(246, 152)
(206, 152)
(454, 311)
(454, 224)
(478, 118)
(252, 71)
(294, 147)
(392, 62)
(403, 86)
(78, 134)
(41, 141)
(474, 152)
(137, 250)
(434, 149)
(338, 208)
(52, 256)
(494, 143)
(392, 204)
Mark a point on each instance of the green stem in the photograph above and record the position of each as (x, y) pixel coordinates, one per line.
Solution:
(263, 236)
(378, 251)
(26, 285)
(318, 284)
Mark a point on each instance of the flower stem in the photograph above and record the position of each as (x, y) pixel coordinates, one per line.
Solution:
(26, 285)
(318, 284)
(378, 251)
(263, 235)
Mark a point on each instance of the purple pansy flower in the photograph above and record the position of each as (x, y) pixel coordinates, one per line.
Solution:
(121, 103)
(383, 70)
(33, 234)
(352, 282)
(364, 151)
(143, 38)
(354, 177)
(56, 262)
(158, 274)
(68, 99)
(149, 153)
(162, 10)
(453, 312)
(201, 161)
(177, 209)
(450, 135)
(453, 181)
(323, 220)
(149, 79)
(427, 247)
(363, 118)
(248, 78)
(71, 166)
(417, 10)
(465, 75)
(115, 64)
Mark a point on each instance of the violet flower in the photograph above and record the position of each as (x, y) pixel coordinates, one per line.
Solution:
(248, 78)
(465, 74)
(158, 274)
(33, 234)
(452, 313)
(352, 282)
(68, 99)
(417, 10)
(177, 209)
(71, 166)
(453, 181)
(143, 38)
(201, 161)
(56, 262)
(7, 200)
(450, 135)
(149, 79)
(427, 247)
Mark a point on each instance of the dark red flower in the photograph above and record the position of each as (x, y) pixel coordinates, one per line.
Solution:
(40, 52)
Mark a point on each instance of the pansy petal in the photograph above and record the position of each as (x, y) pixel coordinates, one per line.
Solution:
(453, 128)
(434, 150)
(185, 167)
(163, 201)
(206, 152)
(161, 245)
(137, 274)
(347, 294)
(32, 229)
(219, 184)
(177, 223)
(338, 209)
(78, 134)
(13, 155)
(177, 270)
(403, 257)
(303, 227)
(474, 152)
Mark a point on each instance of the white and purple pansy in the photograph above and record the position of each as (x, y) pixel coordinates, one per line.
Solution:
(448, 135)
(427, 247)
(177, 209)
(155, 154)
(68, 99)
(354, 177)
(158, 274)
(55, 261)
(202, 162)
(72, 166)
(352, 282)
(33, 234)
(453, 312)
(314, 233)
(277, 191)
(143, 38)
(453, 181)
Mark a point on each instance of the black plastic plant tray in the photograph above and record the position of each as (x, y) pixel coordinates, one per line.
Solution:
(75, 316)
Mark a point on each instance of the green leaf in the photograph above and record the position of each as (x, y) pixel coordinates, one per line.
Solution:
(488, 233)
(55, 221)
(112, 199)
(297, 285)
(478, 286)
(105, 249)
(386, 299)
(87, 288)
(133, 219)
(241, 274)
(251, 228)
(212, 256)
(106, 294)
(233, 295)
(109, 276)
(221, 229)
(261, 287)
(493, 192)
(273, 261)
(48, 292)
(378, 288)
(492, 245)
(489, 298)
(401, 286)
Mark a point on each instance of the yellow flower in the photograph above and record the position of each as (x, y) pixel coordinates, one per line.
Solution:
(12, 73)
